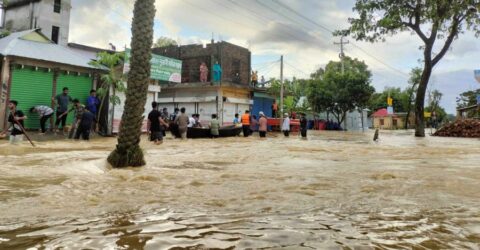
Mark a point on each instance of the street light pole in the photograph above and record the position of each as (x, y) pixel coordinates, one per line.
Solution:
(281, 91)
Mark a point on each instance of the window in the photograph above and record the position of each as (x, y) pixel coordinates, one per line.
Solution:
(55, 34)
(382, 122)
(395, 122)
(57, 6)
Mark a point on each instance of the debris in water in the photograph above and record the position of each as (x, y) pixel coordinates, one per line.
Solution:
(461, 128)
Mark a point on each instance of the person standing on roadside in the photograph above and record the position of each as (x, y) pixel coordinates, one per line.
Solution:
(286, 125)
(303, 126)
(93, 104)
(84, 125)
(262, 128)
(79, 110)
(45, 113)
(246, 123)
(62, 101)
(182, 121)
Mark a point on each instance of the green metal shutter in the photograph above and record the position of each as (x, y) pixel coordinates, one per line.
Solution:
(79, 87)
(31, 87)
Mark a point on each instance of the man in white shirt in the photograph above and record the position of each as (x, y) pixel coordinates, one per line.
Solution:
(191, 122)
(45, 112)
(286, 125)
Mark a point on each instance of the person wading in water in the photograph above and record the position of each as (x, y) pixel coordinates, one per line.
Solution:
(182, 121)
(246, 123)
(16, 118)
(155, 125)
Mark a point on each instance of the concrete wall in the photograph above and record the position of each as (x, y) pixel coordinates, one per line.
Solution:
(20, 18)
(225, 53)
(388, 122)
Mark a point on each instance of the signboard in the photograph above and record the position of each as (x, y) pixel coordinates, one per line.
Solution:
(427, 114)
(390, 101)
(390, 110)
(477, 75)
(163, 68)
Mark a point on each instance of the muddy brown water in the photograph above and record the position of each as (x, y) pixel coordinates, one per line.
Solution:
(333, 191)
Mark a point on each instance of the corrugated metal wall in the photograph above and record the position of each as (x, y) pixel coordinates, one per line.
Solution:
(262, 104)
(31, 87)
(79, 87)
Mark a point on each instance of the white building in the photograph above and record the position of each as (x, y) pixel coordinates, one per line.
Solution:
(51, 16)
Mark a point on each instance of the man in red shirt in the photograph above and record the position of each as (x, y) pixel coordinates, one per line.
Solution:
(262, 128)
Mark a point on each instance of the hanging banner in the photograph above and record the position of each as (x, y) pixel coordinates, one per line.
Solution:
(163, 68)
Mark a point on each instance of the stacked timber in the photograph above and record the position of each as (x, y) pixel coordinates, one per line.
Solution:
(461, 128)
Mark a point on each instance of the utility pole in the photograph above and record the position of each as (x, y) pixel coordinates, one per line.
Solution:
(281, 91)
(342, 54)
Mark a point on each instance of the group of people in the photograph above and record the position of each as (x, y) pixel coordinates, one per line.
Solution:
(250, 124)
(84, 116)
(179, 122)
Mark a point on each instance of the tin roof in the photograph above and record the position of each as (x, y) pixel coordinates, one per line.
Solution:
(21, 44)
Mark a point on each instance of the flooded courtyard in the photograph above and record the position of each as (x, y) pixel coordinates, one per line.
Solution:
(333, 191)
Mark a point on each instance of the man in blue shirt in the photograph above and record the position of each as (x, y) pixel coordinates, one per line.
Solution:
(93, 104)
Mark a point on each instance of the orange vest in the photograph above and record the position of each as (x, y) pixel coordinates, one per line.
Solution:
(245, 119)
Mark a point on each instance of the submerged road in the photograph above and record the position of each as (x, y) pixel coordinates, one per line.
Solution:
(335, 191)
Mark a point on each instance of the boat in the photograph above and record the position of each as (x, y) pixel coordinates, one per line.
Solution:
(227, 131)
(230, 131)
(195, 133)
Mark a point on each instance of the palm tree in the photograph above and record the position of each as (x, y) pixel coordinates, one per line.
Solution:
(128, 151)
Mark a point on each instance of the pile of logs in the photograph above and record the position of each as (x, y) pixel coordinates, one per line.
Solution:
(461, 128)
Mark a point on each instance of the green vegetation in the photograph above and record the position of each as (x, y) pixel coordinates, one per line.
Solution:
(164, 42)
(338, 93)
(436, 22)
(111, 82)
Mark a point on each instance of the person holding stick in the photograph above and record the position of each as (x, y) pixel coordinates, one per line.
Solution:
(62, 100)
(16, 118)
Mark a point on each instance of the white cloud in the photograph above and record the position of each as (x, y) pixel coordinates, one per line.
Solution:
(268, 32)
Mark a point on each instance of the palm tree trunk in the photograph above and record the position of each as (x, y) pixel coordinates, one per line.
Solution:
(128, 151)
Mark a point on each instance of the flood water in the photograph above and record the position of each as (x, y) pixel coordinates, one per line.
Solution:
(333, 191)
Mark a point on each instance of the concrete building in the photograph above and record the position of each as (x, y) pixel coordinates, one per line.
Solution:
(51, 16)
(34, 69)
(230, 95)
(382, 119)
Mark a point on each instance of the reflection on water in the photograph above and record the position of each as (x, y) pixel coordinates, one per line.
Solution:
(334, 191)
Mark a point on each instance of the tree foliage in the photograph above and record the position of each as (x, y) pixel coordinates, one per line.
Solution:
(468, 99)
(436, 22)
(111, 82)
(164, 42)
(339, 93)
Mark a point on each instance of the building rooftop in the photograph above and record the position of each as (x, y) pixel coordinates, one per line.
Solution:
(33, 44)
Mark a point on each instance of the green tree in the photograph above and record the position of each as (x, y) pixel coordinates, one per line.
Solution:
(437, 22)
(164, 42)
(339, 93)
(399, 96)
(111, 82)
(414, 81)
(468, 99)
(128, 151)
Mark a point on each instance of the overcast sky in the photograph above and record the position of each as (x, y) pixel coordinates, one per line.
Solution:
(299, 30)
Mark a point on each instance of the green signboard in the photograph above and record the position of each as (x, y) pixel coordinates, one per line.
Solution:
(163, 68)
